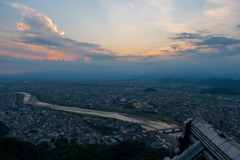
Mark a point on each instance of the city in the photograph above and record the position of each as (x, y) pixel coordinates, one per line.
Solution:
(168, 102)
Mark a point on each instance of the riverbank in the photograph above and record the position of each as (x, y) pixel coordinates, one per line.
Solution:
(145, 122)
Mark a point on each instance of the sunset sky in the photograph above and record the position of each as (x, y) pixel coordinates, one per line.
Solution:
(125, 36)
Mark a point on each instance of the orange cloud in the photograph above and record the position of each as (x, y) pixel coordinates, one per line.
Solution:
(208, 50)
(168, 50)
(163, 53)
(87, 59)
(20, 55)
(31, 35)
(29, 51)
(23, 26)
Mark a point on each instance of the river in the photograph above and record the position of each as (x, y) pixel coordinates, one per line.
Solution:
(145, 122)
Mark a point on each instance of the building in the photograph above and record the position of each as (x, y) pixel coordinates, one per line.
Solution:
(200, 141)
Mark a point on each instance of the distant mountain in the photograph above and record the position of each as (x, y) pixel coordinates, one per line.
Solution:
(220, 91)
(62, 75)
(79, 75)
(213, 82)
(221, 83)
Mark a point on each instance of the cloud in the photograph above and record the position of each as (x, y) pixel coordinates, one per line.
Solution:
(208, 40)
(206, 48)
(45, 47)
(222, 9)
(219, 12)
(23, 26)
(186, 36)
(57, 41)
(35, 22)
(40, 39)
(218, 41)
(238, 27)
(30, 51)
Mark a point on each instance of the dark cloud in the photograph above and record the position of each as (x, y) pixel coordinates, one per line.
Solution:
(209, 40)
(218, 41)
(238, 26)
(208, 45)
(186, 36)
(41, 41)
(57, 41)
(82, 44)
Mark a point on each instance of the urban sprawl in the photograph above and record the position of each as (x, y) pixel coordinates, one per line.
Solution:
(36, 125)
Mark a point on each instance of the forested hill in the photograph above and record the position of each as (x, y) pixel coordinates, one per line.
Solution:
(14, 149)
(11, 148)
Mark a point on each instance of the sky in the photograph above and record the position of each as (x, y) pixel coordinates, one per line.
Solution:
(147, 37)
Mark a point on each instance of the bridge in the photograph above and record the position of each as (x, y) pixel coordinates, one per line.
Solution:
(168, 130)
(164, 130)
